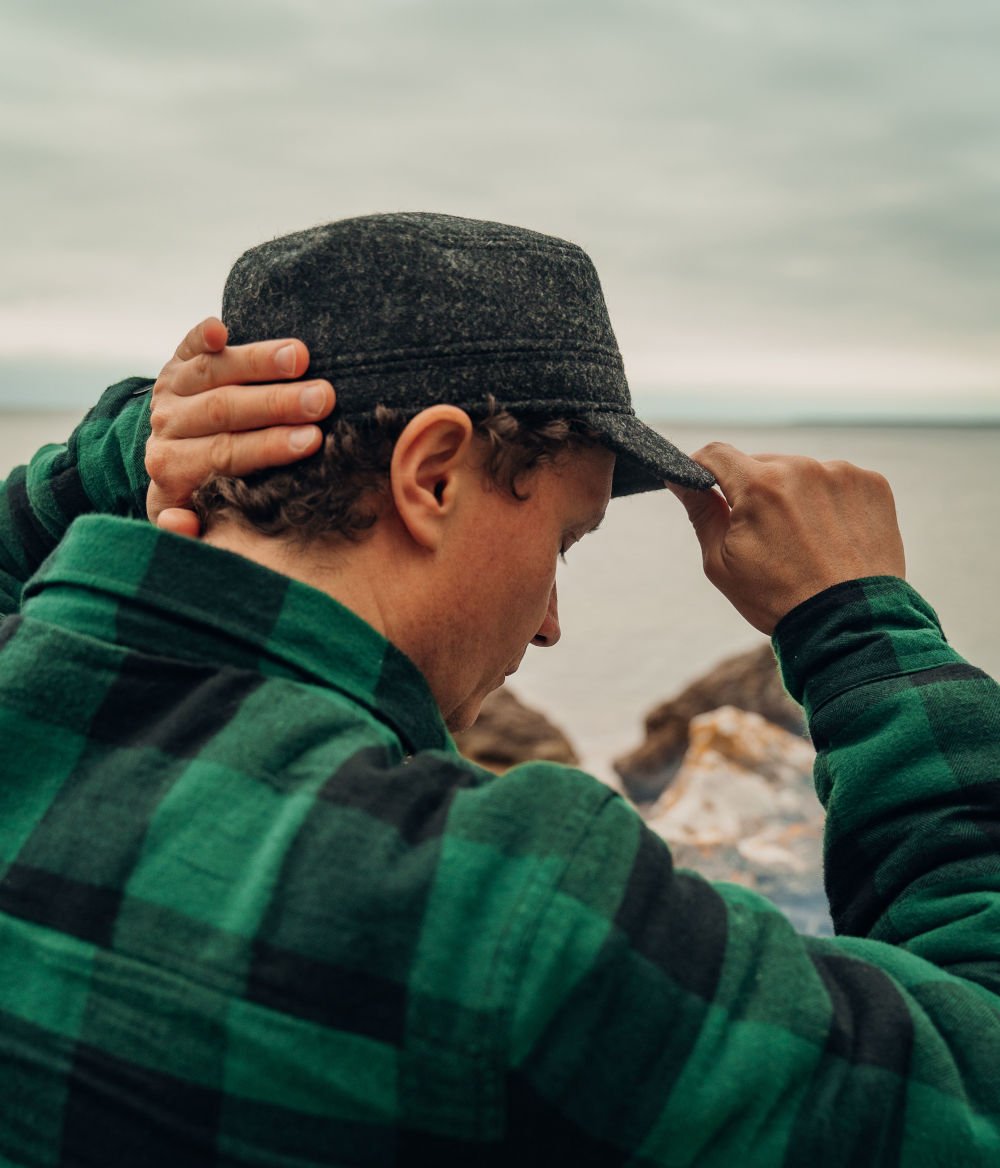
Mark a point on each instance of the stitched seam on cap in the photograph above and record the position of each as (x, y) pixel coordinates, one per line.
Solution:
(482, 345)
(531, 405)
(345, 365)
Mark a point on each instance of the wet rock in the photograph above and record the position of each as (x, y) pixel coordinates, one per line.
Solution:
(749, 681)
(508, 732)
(742, 808)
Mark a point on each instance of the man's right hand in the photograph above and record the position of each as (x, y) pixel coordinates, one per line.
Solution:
(785, 528)
(226, 411)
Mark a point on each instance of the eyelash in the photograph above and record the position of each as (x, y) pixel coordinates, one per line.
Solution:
(574, 540)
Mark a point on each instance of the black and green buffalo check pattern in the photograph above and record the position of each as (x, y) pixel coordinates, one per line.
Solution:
(255, 910)
(100, 468)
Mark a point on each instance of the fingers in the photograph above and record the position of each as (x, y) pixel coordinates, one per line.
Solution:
(179, 521)
(237, 408)
(207, 337)
(709, 514)
(175, 470)
(204, 369)
(731, 467)
(218, 409)
(790, 527)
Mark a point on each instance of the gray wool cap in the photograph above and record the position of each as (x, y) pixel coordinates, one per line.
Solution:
(413, 309)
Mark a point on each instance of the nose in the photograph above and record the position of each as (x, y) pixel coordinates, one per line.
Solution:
(549, 631)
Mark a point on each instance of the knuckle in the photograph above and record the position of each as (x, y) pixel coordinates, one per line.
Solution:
(276, 403)
(797, 464)
(796, 470)
(770, 477)
(164, 416)
(220, 454)
(251, 361)
(218, 415)
(714, 569)
(162, 384)
(839, 468)
(849, 475)
(201, 366)
(157, 463)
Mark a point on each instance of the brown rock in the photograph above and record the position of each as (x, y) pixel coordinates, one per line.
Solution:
(508, 732)
(742, 808)
(749, 681)
(740, 775)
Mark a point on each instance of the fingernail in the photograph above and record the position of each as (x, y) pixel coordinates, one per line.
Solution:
(301, 437)
(284, 360)
(312, 399)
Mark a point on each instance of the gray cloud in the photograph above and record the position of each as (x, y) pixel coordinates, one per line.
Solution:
(760, 175)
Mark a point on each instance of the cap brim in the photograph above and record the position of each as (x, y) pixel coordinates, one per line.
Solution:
(645, 460)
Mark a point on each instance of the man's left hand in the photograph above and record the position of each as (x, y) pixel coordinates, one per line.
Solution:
(225, 411)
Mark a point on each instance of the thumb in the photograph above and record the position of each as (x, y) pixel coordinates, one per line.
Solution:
(708, 511)
(179, 521)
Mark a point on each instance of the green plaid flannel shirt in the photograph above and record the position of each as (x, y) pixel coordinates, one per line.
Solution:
(255, 910)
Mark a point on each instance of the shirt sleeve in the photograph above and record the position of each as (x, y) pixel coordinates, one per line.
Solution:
(661, 1019)
(100, 468)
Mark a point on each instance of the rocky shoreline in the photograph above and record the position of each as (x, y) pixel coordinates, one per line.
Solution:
(724, 775)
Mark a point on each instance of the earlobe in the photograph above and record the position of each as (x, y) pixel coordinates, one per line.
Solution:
(429, 461)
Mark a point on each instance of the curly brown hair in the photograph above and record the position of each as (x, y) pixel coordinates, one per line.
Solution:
(338, 490)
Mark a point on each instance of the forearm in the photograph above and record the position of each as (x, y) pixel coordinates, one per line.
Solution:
(907, 737)
(100, 468)
(878, 1046)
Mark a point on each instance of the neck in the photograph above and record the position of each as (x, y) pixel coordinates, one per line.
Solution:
(355, 574)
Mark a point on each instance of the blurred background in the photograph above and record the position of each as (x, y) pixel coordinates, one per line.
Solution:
(794, 210)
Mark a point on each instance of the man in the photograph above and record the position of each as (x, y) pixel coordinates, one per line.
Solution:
(257, 910)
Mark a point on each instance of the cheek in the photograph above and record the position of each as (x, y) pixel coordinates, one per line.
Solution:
(508, 592)
(530, 607)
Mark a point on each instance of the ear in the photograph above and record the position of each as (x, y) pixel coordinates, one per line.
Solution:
(429, 462)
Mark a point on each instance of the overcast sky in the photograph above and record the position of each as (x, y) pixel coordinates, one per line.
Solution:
(788, 202)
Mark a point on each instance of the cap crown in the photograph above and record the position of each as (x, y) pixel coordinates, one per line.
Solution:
(411, 309)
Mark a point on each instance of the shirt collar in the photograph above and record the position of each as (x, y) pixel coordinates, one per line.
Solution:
(178, 597)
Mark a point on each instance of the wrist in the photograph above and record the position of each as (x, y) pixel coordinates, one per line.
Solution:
(857, 631)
